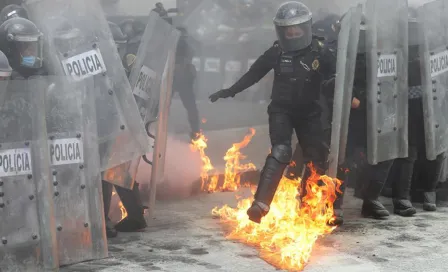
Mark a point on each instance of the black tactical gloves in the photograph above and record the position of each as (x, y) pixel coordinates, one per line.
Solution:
(224, 93)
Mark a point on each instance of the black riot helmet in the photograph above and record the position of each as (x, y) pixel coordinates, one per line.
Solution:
(119, 38)
(22, 43)
(11, 11)
(5, 68)
(293, 26)
(327, 27)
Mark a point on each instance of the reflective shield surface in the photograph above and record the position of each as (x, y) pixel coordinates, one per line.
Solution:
(387, 79)
(75, 167)
(27, 227)
(345, 71)
(434, 70)
(79, 44)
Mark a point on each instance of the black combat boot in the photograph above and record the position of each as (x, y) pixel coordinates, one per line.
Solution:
(111, 232)
(371, 206)
(135, 220)
(401, 187)
(269, 180)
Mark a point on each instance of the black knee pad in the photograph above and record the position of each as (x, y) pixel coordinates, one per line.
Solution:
(282, 153)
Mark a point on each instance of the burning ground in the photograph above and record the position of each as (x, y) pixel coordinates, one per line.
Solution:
(184, 236)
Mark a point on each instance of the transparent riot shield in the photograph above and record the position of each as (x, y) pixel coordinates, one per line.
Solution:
(146, 74)
(345, 71)
(434, 53)
(27, 227)
(387, 79)
(75, 167)
(79, 44)
(159, 152)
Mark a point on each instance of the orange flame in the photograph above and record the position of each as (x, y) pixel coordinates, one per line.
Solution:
(233, 170)
(200, 144)
(287, 234)
(124, 213)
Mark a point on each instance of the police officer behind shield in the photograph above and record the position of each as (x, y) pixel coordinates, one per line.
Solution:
(21, 41)
(298, 62)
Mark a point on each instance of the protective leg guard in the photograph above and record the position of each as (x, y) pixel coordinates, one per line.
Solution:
(269, 180)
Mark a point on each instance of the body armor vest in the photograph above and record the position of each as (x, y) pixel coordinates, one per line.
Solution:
(297, 78)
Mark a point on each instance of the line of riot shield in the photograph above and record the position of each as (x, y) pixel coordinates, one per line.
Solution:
(79, 44)
(75, 167)
(159, 152)
(345, 71)
(387, 79)
(27, 228)
(434, 71)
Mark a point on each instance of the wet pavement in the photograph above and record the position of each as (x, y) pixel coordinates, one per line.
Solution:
(184, 236)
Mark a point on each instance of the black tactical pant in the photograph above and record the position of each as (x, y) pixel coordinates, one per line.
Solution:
(401, 176)
(283, 122)
(184, 77)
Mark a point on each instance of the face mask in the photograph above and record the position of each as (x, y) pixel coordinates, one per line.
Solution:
(28, 61)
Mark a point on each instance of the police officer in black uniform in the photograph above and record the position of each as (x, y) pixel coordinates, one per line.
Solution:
(327, 29)
(299, 63)
(184, 77)
(22, 43)
(11, 11)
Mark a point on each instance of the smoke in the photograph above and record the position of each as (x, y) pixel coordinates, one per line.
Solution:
(182, 169)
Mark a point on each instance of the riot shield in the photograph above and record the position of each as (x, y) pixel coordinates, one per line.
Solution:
(159, 152)
(434, 71)
(345, 71)
(27, 227)
(387, 79)
(79, 44)
(75, 166)
(146, 74)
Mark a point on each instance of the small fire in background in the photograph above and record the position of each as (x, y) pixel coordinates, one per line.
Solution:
(200, 144)
(123, 211)
(286, 236)
(233, 170)
(232, 175)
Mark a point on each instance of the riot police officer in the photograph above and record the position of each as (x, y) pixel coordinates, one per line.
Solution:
(11, 11)
(298, 62)
(401, 185)
(22, 43)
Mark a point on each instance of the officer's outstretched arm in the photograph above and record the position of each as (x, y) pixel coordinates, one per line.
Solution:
(258, 70)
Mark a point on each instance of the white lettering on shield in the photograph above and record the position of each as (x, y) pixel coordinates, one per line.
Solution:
(439, 63)
(84, 65)
(387, 65)
(66, 151)
(15, 162)
(145, 80)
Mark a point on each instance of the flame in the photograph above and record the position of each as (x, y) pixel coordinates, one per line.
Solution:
(232, 175)
(286, 236)
(124, 213)
(233, 168)
(200, 144)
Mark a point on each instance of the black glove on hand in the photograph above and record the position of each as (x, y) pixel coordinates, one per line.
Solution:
(224, 93)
